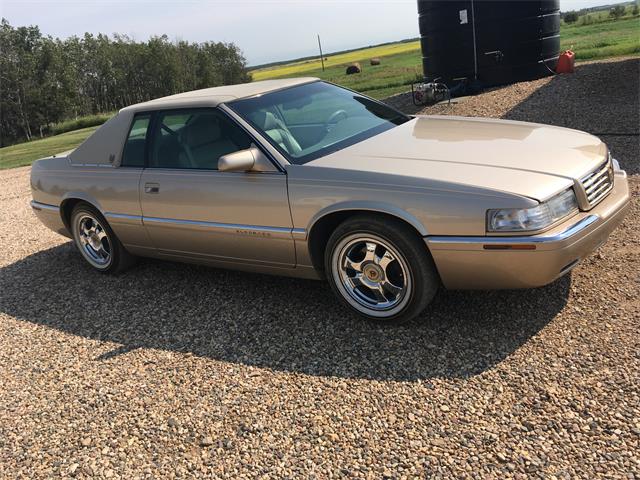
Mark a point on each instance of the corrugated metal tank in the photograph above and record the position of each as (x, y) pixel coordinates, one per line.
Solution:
(495, 42)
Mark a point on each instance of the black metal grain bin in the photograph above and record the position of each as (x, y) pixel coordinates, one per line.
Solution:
(493, 42)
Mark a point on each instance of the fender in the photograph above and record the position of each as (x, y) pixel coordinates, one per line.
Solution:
(376, 207)
(90, 199)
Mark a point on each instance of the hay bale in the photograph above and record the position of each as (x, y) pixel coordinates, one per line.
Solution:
(375, 61)
(354, 68)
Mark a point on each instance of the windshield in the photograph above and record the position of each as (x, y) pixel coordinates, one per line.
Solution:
(312, 120)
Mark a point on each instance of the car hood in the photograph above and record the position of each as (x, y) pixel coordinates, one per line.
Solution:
(526, 159)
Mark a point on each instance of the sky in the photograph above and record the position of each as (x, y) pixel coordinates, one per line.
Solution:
(265, 30)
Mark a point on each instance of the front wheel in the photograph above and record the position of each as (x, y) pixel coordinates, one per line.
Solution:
(380, 268)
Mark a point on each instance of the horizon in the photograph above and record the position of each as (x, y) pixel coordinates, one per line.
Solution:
(332, 19)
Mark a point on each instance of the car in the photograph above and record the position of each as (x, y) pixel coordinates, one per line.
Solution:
(304, 178)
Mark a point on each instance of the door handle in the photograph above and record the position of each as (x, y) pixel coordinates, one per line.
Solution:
(151, 187)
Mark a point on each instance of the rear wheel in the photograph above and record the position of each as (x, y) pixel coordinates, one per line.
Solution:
(97, 242)
(380, 268)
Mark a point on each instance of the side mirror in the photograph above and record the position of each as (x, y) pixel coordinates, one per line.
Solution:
(251, 159)
(240, 161)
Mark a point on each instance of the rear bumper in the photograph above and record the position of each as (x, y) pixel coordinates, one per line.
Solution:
(50, 217)
(528, 261)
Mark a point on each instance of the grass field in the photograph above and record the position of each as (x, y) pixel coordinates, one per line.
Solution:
(334, 60)
(602, 40)
(401, 65)
(590, 38)
(25, 153)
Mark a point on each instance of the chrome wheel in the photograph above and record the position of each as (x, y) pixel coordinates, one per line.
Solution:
(93, 241)
(372, 275)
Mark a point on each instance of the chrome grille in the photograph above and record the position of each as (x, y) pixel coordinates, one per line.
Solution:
(598, 183)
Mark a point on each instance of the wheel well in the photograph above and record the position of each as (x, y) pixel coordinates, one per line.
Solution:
(66, 207)
(325, 226)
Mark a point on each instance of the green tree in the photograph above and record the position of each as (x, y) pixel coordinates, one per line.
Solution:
(571, 17)
(45, 80)
(617, 12)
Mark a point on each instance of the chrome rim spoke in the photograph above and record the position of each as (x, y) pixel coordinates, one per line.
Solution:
(356, 281)
(378, 293)
(370, 254)
(100, 233)
(392, 289)
(350, 264)
(102, 251)
(384, 260)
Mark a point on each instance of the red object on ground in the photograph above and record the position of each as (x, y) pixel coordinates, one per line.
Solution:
(566, 62)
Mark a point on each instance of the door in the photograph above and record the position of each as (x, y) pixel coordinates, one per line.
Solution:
(190, 209)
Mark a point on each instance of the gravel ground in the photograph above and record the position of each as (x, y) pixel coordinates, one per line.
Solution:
(173, 370)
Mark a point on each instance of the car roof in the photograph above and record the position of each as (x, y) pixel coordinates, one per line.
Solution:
(212, 97)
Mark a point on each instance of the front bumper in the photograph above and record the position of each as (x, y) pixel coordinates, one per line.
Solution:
(528, 261)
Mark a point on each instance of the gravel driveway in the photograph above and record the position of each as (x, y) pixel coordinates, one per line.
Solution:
(173, 370)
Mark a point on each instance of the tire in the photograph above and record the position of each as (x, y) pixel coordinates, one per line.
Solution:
(96, 241)
(380, 268)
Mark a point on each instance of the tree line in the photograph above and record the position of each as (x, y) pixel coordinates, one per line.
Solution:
(615, 12)
(44, 80)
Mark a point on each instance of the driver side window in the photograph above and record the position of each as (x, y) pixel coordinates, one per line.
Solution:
(194, 139)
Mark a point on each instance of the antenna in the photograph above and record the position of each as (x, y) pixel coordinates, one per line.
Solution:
(321, 56)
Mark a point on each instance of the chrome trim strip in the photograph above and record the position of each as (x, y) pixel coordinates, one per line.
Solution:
(92, 165)
(299, 234)
(122, 216)
(248, 230)
(536, 239)
(44, 206)
(123, 219)
(214, 224)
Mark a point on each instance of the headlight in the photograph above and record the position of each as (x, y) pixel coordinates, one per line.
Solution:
(535, 218)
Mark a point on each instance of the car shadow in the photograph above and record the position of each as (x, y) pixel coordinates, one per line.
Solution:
(271, 322)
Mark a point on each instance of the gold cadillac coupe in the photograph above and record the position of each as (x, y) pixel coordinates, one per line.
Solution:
(304, 178)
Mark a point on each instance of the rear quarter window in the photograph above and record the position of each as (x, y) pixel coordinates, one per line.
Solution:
(133, 154)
